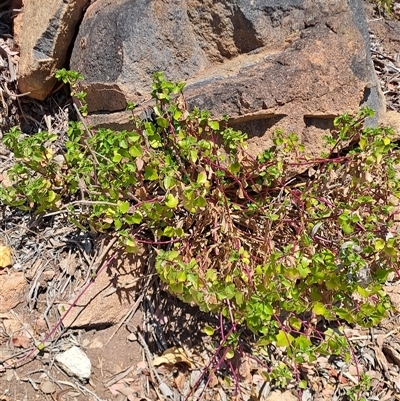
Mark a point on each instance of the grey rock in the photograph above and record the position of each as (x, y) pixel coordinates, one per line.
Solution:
(290, 64)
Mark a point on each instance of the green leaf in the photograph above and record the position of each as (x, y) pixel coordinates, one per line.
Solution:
(315, 294)
(208, 330)
(230, 291)
(189, 205)
(295, 323)
(202, 178)
(176, 288)
(135, 150)
(162, 122)
(386, 141)
(302, 343)
(169, 231)
(303, 384)
(389, 251)
(319, 309)
(123, 207)
(117, 157)
(273, 217)
(379, 244)
(123, 144)
(157, 111)
(169, 182)
(211, 275)
(214, 125)
(362, 143)
(239, 298)
(363, 292)
(172, 255)
(181, 277)
(230, 354)
(150, 173)
(267, 309)
(179, 232)
(133, 136)
(193, 155)
(171, 201)
(234, 168)
(130, 242)
(382, 275)
(51, 196)
(177, 115)
(130, 105)
(283, 339)
(134, 219)
(201, 202)
(345, 315)
(347, 228)
(117, 224)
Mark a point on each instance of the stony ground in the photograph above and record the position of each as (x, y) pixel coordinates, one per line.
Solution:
(140, 343)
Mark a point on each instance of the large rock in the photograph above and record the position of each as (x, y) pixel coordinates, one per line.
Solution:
(293, 64)
(44, 31)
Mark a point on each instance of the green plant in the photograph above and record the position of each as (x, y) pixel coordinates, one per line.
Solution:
(384, 5)
(246, 237)
(356, 393)
(72, 78)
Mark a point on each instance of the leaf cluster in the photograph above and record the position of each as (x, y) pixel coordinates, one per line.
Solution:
(235, 234)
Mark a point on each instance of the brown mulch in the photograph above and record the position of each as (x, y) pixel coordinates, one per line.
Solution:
(189, 364)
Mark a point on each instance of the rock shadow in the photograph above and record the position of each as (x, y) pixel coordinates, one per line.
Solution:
(320, 122)
(257, 128)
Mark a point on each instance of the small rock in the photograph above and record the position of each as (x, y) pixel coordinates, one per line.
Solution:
(307, 396)
(48, 387)
(10, 374)
(12, 287)
(47, 275)
(75, 362)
